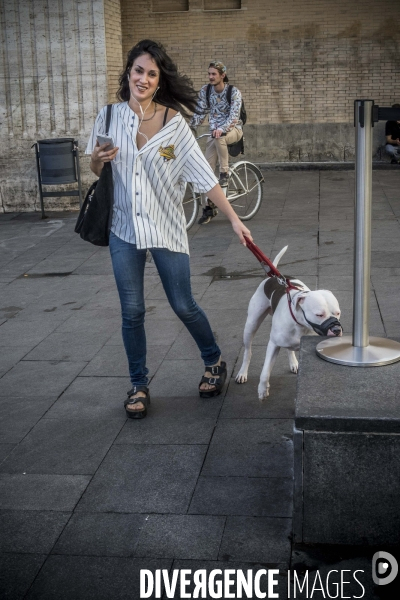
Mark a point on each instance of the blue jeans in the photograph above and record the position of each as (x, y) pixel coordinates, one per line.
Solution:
(174, 270)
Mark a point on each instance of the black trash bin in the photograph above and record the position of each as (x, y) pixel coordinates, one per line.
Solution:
(57, 162)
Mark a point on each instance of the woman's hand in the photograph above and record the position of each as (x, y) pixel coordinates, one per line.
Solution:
(240, 229)
(217, 196)
(101, 155)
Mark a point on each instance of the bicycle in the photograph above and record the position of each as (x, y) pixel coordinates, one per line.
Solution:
(244, 191)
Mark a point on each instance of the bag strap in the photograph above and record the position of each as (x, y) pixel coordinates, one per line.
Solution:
(108, 117)
(208, 92)
(229, 93)
(165, 116)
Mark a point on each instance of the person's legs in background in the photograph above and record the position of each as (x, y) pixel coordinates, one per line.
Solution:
(221, 145)
(217, 152)
(209, 210)
(394, 152)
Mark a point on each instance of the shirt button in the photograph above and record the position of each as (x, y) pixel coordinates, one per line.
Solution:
(137, 193)
(138, 214)
(137, 173)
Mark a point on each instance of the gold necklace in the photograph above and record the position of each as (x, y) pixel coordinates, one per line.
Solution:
(152, 116)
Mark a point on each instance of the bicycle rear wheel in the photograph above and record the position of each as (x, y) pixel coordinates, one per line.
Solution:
(190, 204)
(245, 190)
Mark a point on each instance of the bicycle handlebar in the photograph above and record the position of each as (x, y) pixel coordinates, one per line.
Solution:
(208, 135)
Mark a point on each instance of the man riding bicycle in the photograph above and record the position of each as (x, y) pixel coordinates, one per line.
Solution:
(225, 125)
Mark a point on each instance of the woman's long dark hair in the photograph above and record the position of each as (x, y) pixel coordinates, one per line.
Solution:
(175, 90)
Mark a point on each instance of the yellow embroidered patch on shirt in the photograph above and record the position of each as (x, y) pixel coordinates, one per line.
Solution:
(168, 152)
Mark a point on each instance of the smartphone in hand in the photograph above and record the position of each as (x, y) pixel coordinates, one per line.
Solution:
(106, 139)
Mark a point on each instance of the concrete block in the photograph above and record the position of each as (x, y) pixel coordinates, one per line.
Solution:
(347, 474)
(351, 488)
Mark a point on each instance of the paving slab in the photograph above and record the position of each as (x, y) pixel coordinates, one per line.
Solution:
(63, 447)
(17, 573)
(18, 415)
(5, 450)
(41, 378)
(145, 479)
(253, 496)
(111, 361)
(92, 578)
(251, 447)
(257, 539)
(189, 420)
(26, 333)
(177, 536)
(100, 534)
(30, 531)
(41, 492)
(92, 397)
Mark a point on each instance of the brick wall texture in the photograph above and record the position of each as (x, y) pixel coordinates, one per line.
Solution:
(113, 35)
(295, 62)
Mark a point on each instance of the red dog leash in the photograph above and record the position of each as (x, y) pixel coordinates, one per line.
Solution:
(272, 271)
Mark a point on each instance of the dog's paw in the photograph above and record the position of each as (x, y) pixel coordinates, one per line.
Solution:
(263, 392)
(241, 377)
(293, 363)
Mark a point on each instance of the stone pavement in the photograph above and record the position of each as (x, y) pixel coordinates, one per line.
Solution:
(87, 497)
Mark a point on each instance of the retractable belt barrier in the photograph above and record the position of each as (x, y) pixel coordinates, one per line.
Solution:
(361, 350)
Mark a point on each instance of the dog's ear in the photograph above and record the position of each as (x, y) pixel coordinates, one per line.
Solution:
(300, 298)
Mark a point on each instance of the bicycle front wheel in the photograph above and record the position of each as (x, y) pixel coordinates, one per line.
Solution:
(245, 190)
(190, 204)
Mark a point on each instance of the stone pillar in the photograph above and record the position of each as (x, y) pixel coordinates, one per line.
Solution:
(53, 82)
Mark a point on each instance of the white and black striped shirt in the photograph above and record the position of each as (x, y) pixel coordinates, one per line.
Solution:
(150, 183)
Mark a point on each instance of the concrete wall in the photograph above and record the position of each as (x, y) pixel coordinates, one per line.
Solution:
(53, 81)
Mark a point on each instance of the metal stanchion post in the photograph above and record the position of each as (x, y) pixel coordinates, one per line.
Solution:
(361, 350)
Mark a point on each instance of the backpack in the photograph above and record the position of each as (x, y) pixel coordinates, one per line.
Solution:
(243, 114)
(238, 147)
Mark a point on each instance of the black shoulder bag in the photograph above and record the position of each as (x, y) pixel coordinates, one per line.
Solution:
(94, 220)
(238, 147)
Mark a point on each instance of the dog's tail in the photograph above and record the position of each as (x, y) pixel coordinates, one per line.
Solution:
(279, 256)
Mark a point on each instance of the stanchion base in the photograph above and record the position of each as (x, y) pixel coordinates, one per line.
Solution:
(340, 350)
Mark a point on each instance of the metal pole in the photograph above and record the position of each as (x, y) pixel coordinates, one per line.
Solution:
(362, 221)
(361, 350)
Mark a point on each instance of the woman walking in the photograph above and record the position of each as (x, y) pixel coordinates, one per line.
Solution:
(155, 155)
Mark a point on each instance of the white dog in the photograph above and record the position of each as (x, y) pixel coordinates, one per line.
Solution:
(308, 311)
